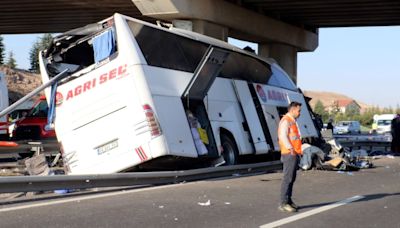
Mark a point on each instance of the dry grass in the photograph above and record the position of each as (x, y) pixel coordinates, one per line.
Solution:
(20, 82)
(327, 98)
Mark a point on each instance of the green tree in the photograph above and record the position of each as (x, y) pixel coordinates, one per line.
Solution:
(335, 109)
(366, 117)
(11, 62)
(340, 117)
(34, 57)
(351, 112)
(45, 41)
(319, 109)
(41, 44)
(387, 110)
(2, 50)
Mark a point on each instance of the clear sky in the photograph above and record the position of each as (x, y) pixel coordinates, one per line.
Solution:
(363, 63)
(20, 45)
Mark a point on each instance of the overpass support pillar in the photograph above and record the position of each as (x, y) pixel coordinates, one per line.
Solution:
(285, 55)
(210, 29)
(203, 27)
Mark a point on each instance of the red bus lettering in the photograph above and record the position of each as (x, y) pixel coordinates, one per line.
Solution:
(103, 78)
(122, 69)
(78, 90)
(87, 86)
(70, 95)
(112, 74)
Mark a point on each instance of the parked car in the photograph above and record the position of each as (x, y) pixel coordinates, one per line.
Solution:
(32, 126)
(347, 127)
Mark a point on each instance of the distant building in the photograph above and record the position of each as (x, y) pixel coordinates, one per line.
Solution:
(343, 105)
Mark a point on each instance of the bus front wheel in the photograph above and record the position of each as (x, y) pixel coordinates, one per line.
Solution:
(230, 151)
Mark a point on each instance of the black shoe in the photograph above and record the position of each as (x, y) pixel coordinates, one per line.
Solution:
(294, 205)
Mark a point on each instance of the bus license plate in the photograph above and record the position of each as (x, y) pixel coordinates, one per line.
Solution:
(107, 147)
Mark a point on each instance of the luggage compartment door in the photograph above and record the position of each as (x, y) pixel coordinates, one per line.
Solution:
(193, 96)
(251, 117)
(204, 76)
(272, 117)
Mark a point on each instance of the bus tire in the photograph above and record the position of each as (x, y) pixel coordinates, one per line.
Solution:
(230, 151)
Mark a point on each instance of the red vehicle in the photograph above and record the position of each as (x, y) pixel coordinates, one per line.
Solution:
(32, 126)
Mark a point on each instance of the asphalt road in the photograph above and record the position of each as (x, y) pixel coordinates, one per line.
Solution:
(227, 202)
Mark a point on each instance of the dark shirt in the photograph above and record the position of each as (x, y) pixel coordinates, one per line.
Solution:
(395, 129)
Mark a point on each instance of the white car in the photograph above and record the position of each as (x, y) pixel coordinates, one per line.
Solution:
(383, 123)
(347, 127)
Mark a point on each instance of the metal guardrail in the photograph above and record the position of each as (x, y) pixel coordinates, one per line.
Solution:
(363, 138)
(49, 147)
(366, 144)
(47, 183)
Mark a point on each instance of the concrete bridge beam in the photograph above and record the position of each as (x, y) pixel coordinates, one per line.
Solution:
(220, 19)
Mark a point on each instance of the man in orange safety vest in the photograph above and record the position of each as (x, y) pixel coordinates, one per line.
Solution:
(290, 145)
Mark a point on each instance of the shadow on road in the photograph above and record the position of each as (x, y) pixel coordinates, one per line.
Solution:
(367, 198)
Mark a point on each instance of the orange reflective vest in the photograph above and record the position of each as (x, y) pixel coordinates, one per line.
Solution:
(294, 136)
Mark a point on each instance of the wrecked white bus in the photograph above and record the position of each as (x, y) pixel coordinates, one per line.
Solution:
(137, 92)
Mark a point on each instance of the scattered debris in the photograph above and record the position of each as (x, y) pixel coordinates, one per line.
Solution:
(363, 164)
(312, 157)
(337, 157)
(61, 191)
(390, 156)
(359, 154)
(335, 162)
(208, 203)
(379, 153)
(37, 165)
(218, 162)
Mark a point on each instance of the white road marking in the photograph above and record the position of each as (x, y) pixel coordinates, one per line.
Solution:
(311, 212)
(81, 198)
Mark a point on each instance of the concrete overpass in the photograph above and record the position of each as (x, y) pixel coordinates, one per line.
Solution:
(281, 27)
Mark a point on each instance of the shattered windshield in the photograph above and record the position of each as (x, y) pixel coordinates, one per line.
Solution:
(40, 110)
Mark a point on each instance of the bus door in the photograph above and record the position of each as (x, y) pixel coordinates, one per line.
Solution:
(193, 96)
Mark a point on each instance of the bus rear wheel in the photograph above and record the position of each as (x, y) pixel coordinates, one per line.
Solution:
(230, 151)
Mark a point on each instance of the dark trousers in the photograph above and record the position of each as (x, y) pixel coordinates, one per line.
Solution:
(290, 163)
(395, 145)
